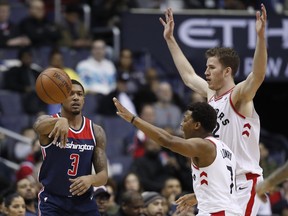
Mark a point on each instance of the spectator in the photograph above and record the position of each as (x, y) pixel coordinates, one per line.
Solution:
(131, 204)
(56, 60)
(97, 73)
(111, 187)
(9, 32)
(102, 198)
(131, 181)
(38, 28)
(266, 162)
(22, 79)
(147, 93)
(154, 167)
(154, 203)
(27, 189)
(126, 65)
(147, 113)
(14, 204)
(106, 106)
(167, 115)
(73, 30)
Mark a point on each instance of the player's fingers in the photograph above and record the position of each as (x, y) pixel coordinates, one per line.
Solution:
(264, 12)
(56, 136)
(62, 140)
(162, 21)
(52, 133)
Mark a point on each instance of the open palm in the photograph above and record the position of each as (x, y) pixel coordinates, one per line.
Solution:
(261, 21)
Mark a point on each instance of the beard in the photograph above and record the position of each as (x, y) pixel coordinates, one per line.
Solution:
(76, 112)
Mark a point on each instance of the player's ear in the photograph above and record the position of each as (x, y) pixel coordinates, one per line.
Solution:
(228, 71)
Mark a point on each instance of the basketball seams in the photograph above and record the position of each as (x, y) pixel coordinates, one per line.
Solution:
(44, 90)
(50, 83)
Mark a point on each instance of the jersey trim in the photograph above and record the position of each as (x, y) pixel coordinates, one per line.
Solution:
(219, 97)
(92, 132)
(234, 109)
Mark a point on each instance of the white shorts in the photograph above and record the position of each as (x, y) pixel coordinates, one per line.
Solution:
(246, 195)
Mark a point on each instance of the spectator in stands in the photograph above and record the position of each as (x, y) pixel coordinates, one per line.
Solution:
(167, 115)
(14, 204)
(126, 65)
(26, 188)
(171, 189)
(73, 30)
(131, 181)
(131, 204)
(102, 198)
(106, 106)
(56, 60)
(97, 73)
(9, 32)
(23, 149)
(266, 162)
(154, 203)
(137, 148)
(154, 167)
(147, 93)
(112, 189)
(38, 28)
(22, 79)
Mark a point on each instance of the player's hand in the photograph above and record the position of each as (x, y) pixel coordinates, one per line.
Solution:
(262, 188)
(168, 24)
(186, 202)
(80, 185)
(122, 111)
(60, 130)
(261, 18)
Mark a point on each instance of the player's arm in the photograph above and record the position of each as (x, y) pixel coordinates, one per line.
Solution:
(187, 72)
(100, 158)
(81, 184)
(275, 178)
(195, 147)
(247, 89)
(50, 129)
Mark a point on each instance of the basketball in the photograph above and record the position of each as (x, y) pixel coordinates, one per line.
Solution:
(53, 85)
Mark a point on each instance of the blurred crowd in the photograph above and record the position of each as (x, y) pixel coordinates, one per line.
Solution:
(154, 177)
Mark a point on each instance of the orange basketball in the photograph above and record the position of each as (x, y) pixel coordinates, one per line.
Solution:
(53, 85)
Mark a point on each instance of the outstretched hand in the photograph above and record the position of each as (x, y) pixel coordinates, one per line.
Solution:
(261, 189)
(168, 24)
(122, 111)
(261, 18)
(186, 202)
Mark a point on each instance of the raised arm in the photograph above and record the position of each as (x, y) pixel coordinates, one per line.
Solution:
(195, 147)
(49, 129)
(248, 88)
(187, 72)
(81, 184)
(275, 178)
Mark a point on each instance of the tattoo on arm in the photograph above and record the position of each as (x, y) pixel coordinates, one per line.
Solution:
(100, 158)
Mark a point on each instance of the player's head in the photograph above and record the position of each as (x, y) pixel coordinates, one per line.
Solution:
(74, 103)
(227, 57)
(199, 120)
(75, 82)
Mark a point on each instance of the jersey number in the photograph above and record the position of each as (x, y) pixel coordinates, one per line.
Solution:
(229, 168)
(216, 129)
(74, 164)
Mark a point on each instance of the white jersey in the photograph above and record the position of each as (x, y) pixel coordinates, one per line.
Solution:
(214, 185)
(240, 133)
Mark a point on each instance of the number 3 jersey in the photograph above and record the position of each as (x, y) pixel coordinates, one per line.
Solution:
(61, 164)
(214, 185)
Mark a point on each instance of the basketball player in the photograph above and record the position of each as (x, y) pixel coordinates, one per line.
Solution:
(70, 144)
(275, 178)
(213, 163)
(238, 124)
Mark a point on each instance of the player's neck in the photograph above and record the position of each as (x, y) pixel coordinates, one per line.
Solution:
(226, 88)
(75, 121)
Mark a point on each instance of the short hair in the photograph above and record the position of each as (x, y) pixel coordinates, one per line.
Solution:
(205, 114)
(9, 199)
(228, 57)
(77, 83)
(129, 197)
